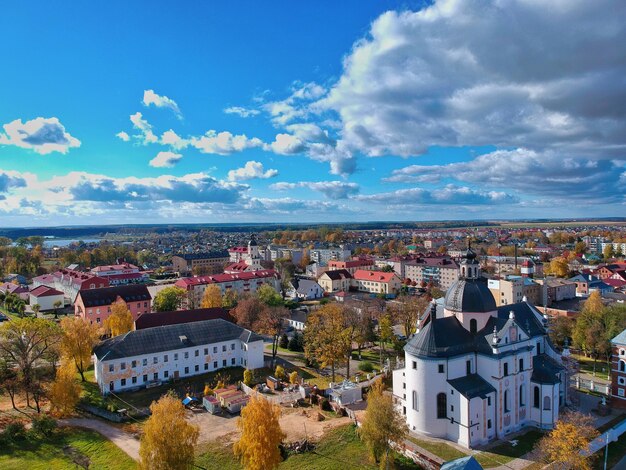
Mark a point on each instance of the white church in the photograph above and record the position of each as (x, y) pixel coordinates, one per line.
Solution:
(246, 261)
(474, 372)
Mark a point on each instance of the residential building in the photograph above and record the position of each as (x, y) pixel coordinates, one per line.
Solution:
(95, 305)
(335, 281)
(376, 282)
(555, 290)
(514, 289)
(274, 252)
(618, 371)
(239, 282)
(250, 261)
(211, 262)
(304, 289)
(323, 255)
(440, 271)
(121, 273)
(296, 319)
(475, 372)
(46, 297)
(17, 289)
(181, 316)
(351, 265)
(153, 355)
(71, 282)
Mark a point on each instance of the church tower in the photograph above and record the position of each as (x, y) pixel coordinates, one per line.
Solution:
(253, 259)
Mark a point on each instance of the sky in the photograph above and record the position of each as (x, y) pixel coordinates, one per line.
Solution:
(246, 111)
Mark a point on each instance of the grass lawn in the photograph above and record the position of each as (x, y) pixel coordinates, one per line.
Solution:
(54, 453)
(586, 365)
(617, 450)
(340, 448)
(441, 449)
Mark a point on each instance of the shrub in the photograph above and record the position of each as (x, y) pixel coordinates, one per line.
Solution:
(366, 366)
(279, 373)
(325, 405)
(293, 378)
(15, 432)
(284, 341)
(44, 426)
(247, 377)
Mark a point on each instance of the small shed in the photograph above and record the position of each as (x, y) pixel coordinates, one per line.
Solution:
(345, 393)
(211, 404)
(273, 383)
(235, 403)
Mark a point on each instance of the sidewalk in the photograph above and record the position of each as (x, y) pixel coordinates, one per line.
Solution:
(121, 439)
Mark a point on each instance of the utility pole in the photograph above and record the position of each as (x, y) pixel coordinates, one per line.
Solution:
(606, 449)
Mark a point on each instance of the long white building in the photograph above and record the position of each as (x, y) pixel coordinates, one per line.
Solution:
(143, 357)
(475, 372)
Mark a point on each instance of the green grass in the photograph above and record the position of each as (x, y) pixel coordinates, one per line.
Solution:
(48, 453)
(586, 365)
(440, 449)
(340, 448)
(617, 451)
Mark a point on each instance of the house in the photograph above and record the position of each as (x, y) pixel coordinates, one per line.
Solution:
(239, 282)
(335, 281)
(376, 282)
(46, 297)
(140, 358)
(304, 289)
(181, 316)
(210, 262)
(296, 319)
(71, 282)
(351, 266)
(121, 273)
(94, 305)
(345, 393)
(618, 371)
(556, 290)
(16, 289)
(475, 372)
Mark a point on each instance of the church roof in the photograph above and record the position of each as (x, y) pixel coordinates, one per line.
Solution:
(463, 463)
(545, 370)
(472, 385)
(469, 295)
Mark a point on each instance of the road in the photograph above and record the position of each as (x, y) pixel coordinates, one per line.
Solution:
(120, 438)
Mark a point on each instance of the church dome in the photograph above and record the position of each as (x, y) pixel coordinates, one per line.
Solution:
(469, 295)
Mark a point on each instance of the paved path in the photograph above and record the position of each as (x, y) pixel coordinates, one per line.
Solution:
(120, 438)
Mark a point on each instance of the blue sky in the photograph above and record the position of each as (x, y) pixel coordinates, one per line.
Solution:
(328, 111)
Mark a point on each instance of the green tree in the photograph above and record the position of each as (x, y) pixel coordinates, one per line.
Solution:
(169, 299)
(268, 295)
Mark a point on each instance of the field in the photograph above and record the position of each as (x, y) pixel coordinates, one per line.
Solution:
(63, 451)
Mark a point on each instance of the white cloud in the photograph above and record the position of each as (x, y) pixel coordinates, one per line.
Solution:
(146, 135)
(296, 106)
(251, 170)
(150, 97)
(123, 136)
(224, 143)
(450, 195)
(241, 111)
(331, 189)
(286, 144)
(43, 135)
(165, 159)
(174, 140)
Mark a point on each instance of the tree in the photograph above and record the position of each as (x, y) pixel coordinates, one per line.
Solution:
(24, 343)
(608, 252)
(247, 377)
(9, 381)
(325, 339)
(561, 329)
(558, 266)
(293, 377)
(567, 444)
(168, 299)
(270, 322)
(593, 305)
(64, 392)
(168, 440)
(212, 297)
(120, 320)
(406, 311)
(247, 311)
(580, 248)
(77, 341)
(296, 342)
(382, 424)
(284, 341)
(279, 373)
(261, 435)
(229, 299)
(268, 295)
(57, 305)
(35, 308)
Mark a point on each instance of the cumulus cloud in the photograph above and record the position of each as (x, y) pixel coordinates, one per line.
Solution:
(296, 105)
(251, 170)
(542, 173)
(43, 135)
(224, 143)
(172, 139)
(555, 79)
(151, 98)
(241, 111)
(165, 159)
(146, 135)
(123, 136)
(449, 195)
(331, 189)
(10, 180)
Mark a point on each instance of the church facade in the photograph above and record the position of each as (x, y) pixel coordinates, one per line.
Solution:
(475, 372)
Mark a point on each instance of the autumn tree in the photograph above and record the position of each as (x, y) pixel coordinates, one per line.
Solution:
(247, 377)
(261, 435)
(169, 298)
(561, 329)
(558, 267)
(406, 310)
(168, 440)
(593, 305)
(270, 322)
(325, 339)
(382, 424)
(120, 320)
(247, 311)
(77, 342)
(64, 392)
(566, 446)
(229, 299)
(212, 297)
(293, 377)
(608, 252)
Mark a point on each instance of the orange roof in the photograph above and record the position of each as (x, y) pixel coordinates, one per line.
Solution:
(376, 276)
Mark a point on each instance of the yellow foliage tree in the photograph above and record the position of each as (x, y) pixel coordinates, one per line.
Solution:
(593, 305)
(293, 377)
(120, 321)
(77, 342)
(212, 297)
(279, 372)
(247, 377)
(168, 440)
(64, 391)
(382, 424)
(559, 267)
(207, 390)
(565, 445)
(257, 448)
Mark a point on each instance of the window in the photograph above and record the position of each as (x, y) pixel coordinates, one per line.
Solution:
(538, 348)
(546, 403)
(507, 406)
(145, 377)
(468, 367)
(415, 404)
(155, 360)
(620, 392)
(111, 367)
(214, 364)
(414, 365)
(145, 305)
(473, 326)
(488, 424)
(622, 366)
(144, 362)
(621, 352)
(123, 382)
(232, 347)
(232, 361)
(451, 407)
(196, 368)
(506, 369)
(441, 368)
(206, 351)
(224, 348)
(488, 401)
(536, 397)
(522, 402)
(186, 370)
(224, 363)
(186, 354)
(166, 374)
(197, 353)
(214, 349)
(133, 364)
(521, 365)
(442, 406)
(206, 366)
(166, 358)
(621, 381)
(404, 385)
(155, 376)
(134, 380)
(97, 320)
(176, 356)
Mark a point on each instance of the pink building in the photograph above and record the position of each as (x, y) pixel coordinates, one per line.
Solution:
(94, 305)
(122, 273)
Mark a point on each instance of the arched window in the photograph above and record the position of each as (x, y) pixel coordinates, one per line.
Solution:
(536, 397)
(473, 326)
(415, 404)
(622, 366)
(507, 408)
(522, 402)
(546, 403)
(442, 406)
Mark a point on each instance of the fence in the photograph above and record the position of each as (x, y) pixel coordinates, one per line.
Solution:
(590, 385)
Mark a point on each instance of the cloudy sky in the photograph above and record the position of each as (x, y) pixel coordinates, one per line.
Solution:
(247, 111)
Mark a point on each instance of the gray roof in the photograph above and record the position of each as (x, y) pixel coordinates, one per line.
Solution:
(472, 385)
(203, 255)
(620, 339)
(168, 338)
(470, 295)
